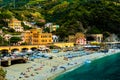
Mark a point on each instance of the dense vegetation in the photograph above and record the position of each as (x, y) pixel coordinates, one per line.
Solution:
(87, 16)
(2, 74)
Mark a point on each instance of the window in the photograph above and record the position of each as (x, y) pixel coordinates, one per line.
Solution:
(49, 36)
(49, 40)
(35, 35)
(35, 40)
(42, 40)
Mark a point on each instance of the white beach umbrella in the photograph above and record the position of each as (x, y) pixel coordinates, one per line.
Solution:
(16, 52)
(29, 51)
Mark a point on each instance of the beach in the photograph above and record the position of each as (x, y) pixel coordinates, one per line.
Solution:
(48, 69)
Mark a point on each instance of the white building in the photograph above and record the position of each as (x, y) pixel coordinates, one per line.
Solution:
(7, 37)
(55, 38)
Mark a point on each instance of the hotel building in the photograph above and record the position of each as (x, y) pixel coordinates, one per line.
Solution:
(35, 37)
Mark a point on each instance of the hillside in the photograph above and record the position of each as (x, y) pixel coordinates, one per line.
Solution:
(87, 16)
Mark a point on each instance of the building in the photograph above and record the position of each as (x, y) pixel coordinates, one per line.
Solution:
(35, 37)
(64, 45)
(112, 38)
(45, 38)
(55, 38)
(27, 23)
(7, 37)
(52, 27)
(80, 39)
(94, 38)
(16, 25)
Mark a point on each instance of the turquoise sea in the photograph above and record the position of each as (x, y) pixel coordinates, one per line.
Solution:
(107, 68)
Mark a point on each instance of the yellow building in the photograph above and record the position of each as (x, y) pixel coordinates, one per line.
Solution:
(16, 25)
(45, 38)
(35, 36)
(64, 45)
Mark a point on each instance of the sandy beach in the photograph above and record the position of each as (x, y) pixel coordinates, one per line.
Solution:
(47, 69)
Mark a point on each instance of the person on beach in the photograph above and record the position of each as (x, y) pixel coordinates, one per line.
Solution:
(51, 70)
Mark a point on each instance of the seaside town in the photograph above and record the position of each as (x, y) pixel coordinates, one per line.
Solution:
(36, 49)
(42, 55)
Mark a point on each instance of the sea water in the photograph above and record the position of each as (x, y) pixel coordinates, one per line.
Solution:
(107, 68)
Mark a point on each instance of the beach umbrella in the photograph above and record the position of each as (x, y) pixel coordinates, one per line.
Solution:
(21, 54)
(16, 52)
(29, 51)
(39, 54)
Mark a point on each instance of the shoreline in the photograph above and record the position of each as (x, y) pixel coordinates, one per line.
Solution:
(62, 72)
(43, 66)
(79, 65)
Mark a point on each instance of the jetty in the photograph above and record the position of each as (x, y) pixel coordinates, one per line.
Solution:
(11, 61)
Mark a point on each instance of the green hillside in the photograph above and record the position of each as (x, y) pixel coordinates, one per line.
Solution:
(87, 16)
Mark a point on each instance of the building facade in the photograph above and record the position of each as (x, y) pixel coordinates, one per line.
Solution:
(55, 38)
(54, 28)
(94, 38)
(7, 37)
(80, 39)
(16, 25)
(35, 37)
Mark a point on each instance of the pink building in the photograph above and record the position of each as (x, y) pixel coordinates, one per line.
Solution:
(80, 39)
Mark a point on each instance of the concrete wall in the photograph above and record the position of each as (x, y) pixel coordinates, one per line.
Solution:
(63, 45)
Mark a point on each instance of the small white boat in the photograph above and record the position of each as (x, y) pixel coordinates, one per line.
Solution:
(88, 61)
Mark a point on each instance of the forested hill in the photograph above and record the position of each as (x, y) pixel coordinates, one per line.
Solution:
(88, 16)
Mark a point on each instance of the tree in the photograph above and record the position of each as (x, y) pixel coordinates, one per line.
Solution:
(62, 32)
(27, 27)
(94, 30)
(2, 74)
(5, 16)
(15, 40)
(47, 29)
(11, 30)
(1, 40)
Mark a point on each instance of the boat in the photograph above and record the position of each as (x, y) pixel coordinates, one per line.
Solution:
(88, 61)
